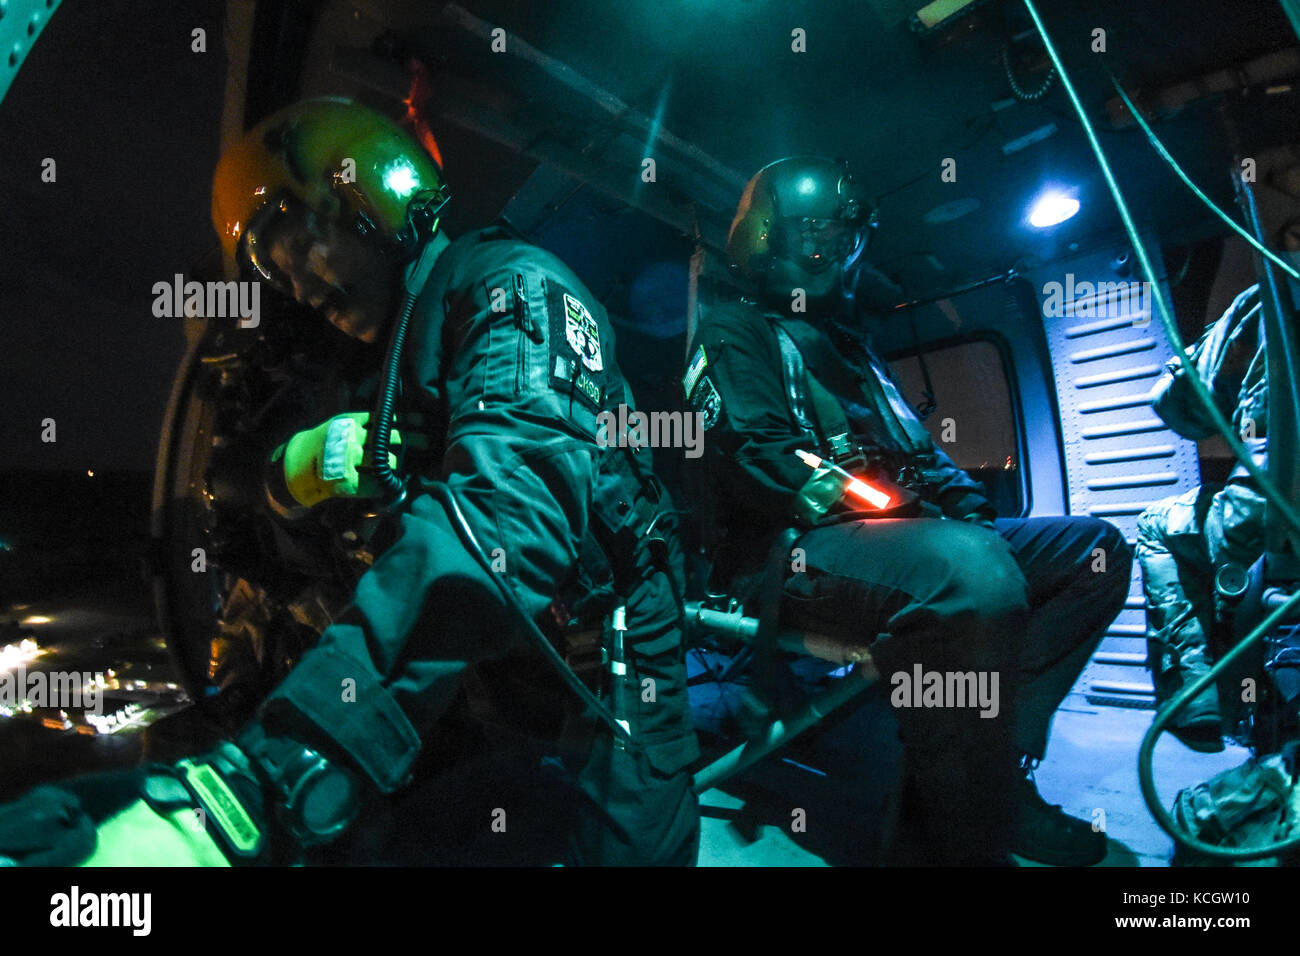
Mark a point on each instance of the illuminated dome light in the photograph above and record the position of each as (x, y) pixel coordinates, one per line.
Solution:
(1051, 209)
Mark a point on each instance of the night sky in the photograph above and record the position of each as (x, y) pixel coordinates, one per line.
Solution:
(113, 93)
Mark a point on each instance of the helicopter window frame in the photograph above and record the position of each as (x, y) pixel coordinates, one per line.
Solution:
(1015, 407)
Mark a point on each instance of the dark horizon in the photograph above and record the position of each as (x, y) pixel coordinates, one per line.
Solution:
(128, 207)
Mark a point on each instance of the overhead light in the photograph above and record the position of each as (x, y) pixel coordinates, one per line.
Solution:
(1052, 208)
(940, 11)
(1029, 139)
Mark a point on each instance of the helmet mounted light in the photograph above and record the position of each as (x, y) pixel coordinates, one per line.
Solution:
(326, 161)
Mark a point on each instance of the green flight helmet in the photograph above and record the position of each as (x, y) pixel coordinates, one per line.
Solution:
(806, 212)
(336, 160)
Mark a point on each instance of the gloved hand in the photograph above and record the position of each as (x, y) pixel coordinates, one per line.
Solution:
(321, 463)
(148, 816)
(141, 836)
(818, 495)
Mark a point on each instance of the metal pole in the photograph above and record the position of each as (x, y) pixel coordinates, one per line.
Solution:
(960, 290)
(781, 732)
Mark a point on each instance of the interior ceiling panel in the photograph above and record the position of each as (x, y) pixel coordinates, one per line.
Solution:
(721, 75)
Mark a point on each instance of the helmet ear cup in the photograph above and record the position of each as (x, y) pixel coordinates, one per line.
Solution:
(421, 221)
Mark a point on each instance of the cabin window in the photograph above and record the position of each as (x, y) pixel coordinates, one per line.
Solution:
(973, 419)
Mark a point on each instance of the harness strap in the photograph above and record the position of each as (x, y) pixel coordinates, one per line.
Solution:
(831, 428)
(831, 431)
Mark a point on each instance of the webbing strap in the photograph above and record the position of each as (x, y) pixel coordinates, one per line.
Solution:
(870, 379)
(831, 430)
(793, 374)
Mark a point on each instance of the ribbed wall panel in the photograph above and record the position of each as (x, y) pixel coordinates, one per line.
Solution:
(1120, 458)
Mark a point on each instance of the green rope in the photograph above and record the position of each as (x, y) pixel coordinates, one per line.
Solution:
(1164, 154)
(1146, 771)
(1147, 748)
(1266, 487)
(1292, 11)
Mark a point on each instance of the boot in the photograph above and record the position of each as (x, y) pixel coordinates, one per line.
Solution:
(1199, 724)
(953, 811)
(1044, 833)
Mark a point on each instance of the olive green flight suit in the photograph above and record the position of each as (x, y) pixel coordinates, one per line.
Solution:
(509, 359)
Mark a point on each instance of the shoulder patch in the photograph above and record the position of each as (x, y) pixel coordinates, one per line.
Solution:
(707, 402)
(581, 333)
(578, 366)
(693, 371)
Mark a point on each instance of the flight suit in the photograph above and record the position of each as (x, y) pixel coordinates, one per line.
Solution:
(1184, 540)
(508, 361)
(1022, 598)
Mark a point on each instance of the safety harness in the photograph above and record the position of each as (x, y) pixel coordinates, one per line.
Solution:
(909, 451)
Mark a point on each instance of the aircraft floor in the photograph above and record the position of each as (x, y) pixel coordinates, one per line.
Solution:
(1090, 769)
(839, 775)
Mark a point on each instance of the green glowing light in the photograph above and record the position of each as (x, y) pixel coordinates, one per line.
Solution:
(400, 178)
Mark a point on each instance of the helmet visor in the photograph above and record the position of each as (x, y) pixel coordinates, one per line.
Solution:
(284, 233)
(817, 244)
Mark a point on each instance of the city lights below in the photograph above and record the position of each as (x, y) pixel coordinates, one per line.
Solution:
(35, 619)
(128, 716)
(1051, 209)
(15, 655)
(90, 473)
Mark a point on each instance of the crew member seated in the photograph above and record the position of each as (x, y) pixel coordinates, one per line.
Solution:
(794, 399)
(1195, 548)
